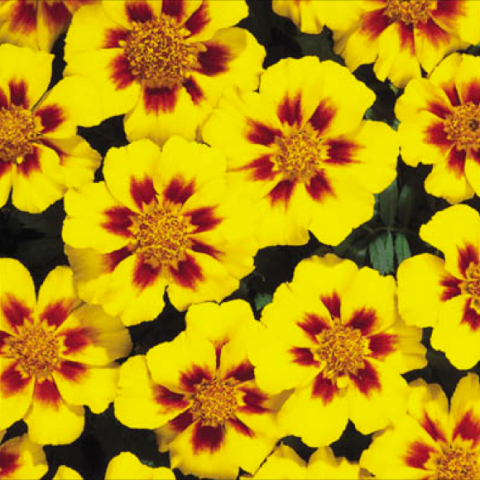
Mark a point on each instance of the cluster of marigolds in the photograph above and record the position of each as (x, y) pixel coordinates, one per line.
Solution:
(226, 158)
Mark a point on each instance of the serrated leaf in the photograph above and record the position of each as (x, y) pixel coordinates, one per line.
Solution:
(402, 248)
(382, 253)
(261, 300)
(388, 201)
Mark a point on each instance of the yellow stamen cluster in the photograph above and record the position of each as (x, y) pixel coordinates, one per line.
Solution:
(214, 402)
(457, 463)
(409, 11)
(472, 284)
(158, 53)
(342, 349)
(17, 133)
(161, 235)
(36, 349)
(463, 126)
(299, 155)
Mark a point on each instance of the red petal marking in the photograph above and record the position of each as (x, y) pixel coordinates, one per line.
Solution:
(113, 37)
(433, 429)
(475, 154)
(382, 344)
(3, 339)
(418, 454)
(363, 320)
(290, 110)
(435, 134)
(438, 109)
(161, 99)
(3, 99)
(470, 316)
(51, 116)
(366, 379)
(332, 303)
(262, 168)
(200, 18)
(456, 161)
(323, 388)
(319, 186)
(174, 8)
(188, 272)
(323, 116)
(145, 275)
(46, 392)
(181, 422)
(179, 190)
(56, 14)
(341, 152)
(214, 60)
(243, 372)
(15, 312)
(201, 247)
(451, 288)
(56, 313)
(142, 191)
(218, 351)
(448, 10)
(9, 462)
(5, 167)
(194, 90)
(253, 399)
(204, 219)
(170, 399)
(192, 377)
(118, 221)
(12, 381)
(76, 339)
(72, 371)
(472, 92)
(24, 16)
(468, 428)
(138, 11)
(240, 427)
(31, 163)
(112, 259)
(407, 39)
(303, 356)
(262, 134)
(282, 192)
(313, 325)
(206, 438)
(433, 33)
(121, 74)
(18, 93)
(374, 23)
(452, 93)
(466, 255)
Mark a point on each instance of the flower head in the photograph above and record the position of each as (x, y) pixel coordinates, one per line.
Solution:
(200, 392)
(300, 151)
(333, 336)
(20, 458)
(432, 441)
(403, 37)
(163, 63)
(56, 354)
(440, 125)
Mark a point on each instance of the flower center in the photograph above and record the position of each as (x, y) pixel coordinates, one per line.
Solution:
(17, 133)
(409, 11)
(214, 402)
(299, 155)
(161, 235)
(472, 284)
(455, 463)
(158, 54)
(36, 350)
(463, 126)
(342, 349)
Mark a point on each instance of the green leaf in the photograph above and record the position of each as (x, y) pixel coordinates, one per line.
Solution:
(406, 203)
(261, 300)
(402, 248)
(388, 201)
(382, 253)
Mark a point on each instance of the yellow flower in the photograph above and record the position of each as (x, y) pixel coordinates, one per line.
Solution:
(445, 294)
(432, 441)
(440, 126)
(40, 153)
(66, 473)
(404, 37)
(56, 354)
(36, 24)
(333, 336)
(196, 56)
(300, 151)
(127, 466)
(200, 392)
(20, 458)
(160, 219)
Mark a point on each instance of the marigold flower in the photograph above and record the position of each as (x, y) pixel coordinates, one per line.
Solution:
(40, 153)
(300, 151)
(432, 441)
(172, 90)
(333, 336)
(160, 219)
(20, 458)
(127, 466)
(66, 473)
(200, 392)
(56, 354)
(440, 125)
(404, 37)
(445, 294)
(36, 24)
